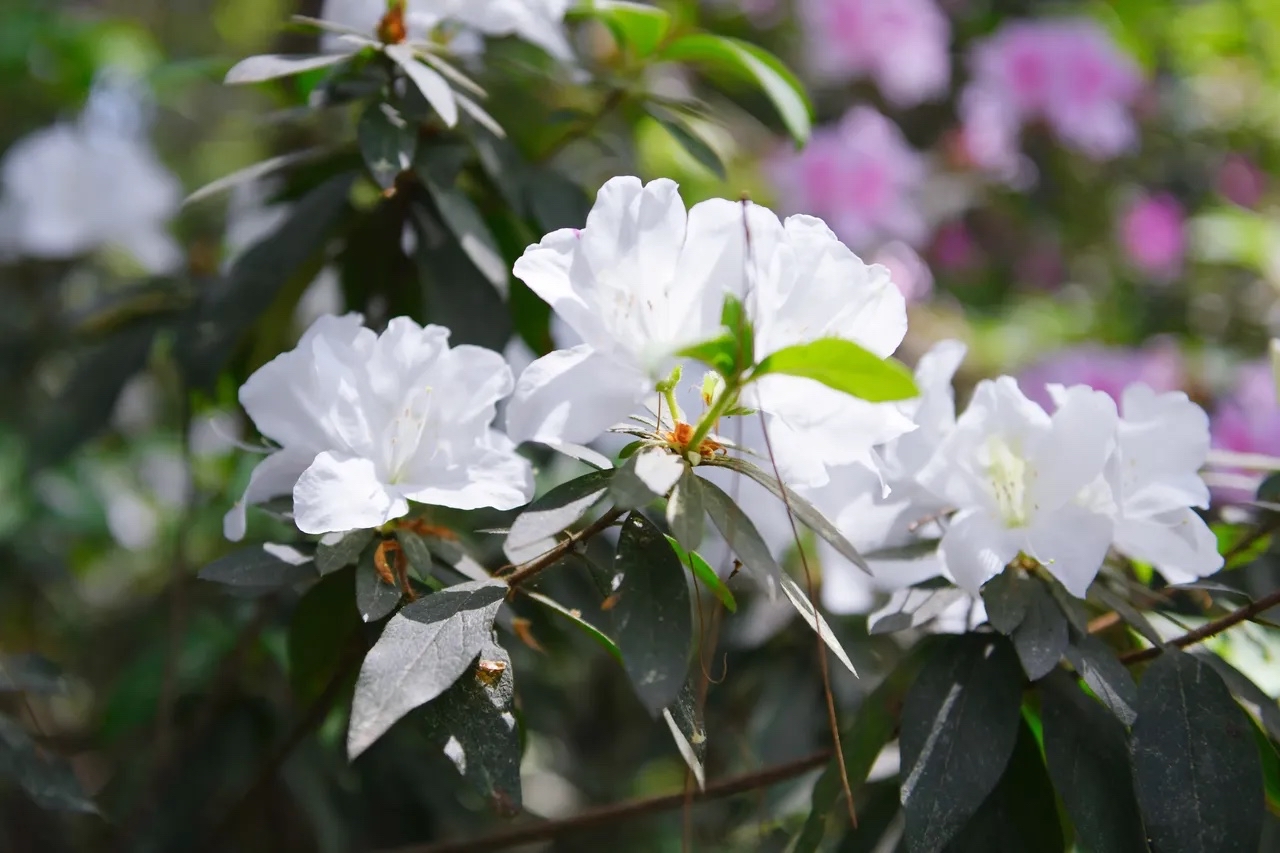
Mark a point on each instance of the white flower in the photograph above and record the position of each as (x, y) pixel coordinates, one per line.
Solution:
(1163, 442)
(367, 423)
(1020, 481)
(640, 281)
(81, 186)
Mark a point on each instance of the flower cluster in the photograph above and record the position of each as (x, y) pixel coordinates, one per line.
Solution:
(1068, 73)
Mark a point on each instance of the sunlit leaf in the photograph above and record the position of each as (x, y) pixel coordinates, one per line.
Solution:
(845, 366)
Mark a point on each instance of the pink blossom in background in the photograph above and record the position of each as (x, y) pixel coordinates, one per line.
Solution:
(1153, 235)
(1069, 74)
(860, 176)
(954, 248)
(903, 45)
(1158, 365)
(1247, 420)
(1240, 181)
(907, 270)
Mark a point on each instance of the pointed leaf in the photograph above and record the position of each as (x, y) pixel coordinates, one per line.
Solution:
(1106, 676)
(464, 221)
(260, 568)
(257, 171)
(1042, 637)
(342, 553)
(653, 620)
(702, 570)
(270, 66)
(1195, 763)
(1088, 755)
(474, 723)
(1251, 696)
(430, 82)
(375, 598)
(1007, 597)
(845, 366)
(685, 722)
(576, 618)
(645, 477)
(418, 553)
(959, 725)
(421, 652)
(913, 607)
(695, 145)
(686, 510)
(740, 532)
(719, 353)
(800, 601)
(533, 531)
(635, 25)
(47, 778)
(388, 142)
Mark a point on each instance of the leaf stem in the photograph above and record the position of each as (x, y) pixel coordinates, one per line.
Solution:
(527, 570)
(719, 406)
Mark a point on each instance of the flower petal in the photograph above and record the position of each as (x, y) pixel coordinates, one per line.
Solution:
(1075, 450)
(572, 395)
(1071, 543)
(975, 549)
(343, 493)
(497, 477)
(273, 476)
(1179, 544)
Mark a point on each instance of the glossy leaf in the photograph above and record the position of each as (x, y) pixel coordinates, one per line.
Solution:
(845, 366)
(637, 26)
(533, 531)
(1006, 598)
(959, 725)
(466, 224)
(687, 730)
(375, 598)
(421, 652)
(576, 618)
(433, 86)
(1087, 752)
(653, 623)
(1195, 763)
(418, 553)
(694, 145)
(719, 353)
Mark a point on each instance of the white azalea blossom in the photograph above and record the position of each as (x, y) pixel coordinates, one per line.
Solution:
(81, 186)
(367, 423)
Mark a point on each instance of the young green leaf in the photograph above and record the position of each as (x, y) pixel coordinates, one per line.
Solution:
(845, 366)
(695, 145)
(636, 25)
(754, 65)
(702, 571)
(653, 622)
(719, 353)
(1195, 762)
(576, 618)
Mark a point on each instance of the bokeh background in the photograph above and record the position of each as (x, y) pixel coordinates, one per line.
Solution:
(1082, 192)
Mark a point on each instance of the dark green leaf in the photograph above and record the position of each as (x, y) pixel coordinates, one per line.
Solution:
(533, 531)
(687, 729)
(256, 69)
(959, 725)
(257, 569)
(256, 172)
(388, 142)
(913, 607)
(685, 510)
(323, 625)
(803, 604)
(473, 723)
(645, 477)
(30, 673)
(740, 532)
(845, 366)
(375, 598)
(1020, 814)
(555, 201)
(462, 218)
(635, 25)
(345, 552)
(421, 652)
(1088, 755)
(417, 552)
(458, 294)
(652, 618)
(1106, 676)
(1128, 612)
(1007, 597)
(576, 618)
(45, 777)
(1042, 637)
(696, 147)
(703, 572)
(1251, 696)
(754, 65)
(1195, 763)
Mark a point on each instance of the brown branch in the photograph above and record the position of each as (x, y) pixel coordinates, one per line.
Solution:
(1207, 630)
(523, 572)
(606, 815)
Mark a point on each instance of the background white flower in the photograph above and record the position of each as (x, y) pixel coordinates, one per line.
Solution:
(367, 423)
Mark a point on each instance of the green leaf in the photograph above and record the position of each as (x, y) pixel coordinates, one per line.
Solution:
(576, 618)
(30, 673)
(804, 606)
(740, 532)
(959, 726)
(702, 571)
(260, 568)
(533, 530)
(345, 552)
(323, 625)
(720, 353)
(845, 366)
(473, 723)
(697, 148)
(653, 622)
(257, 171)
(388, 142)
(1254, 699)
(753, 65)
(913, 607)
(635, 25)
(256, 69)
(375, 598)
(417, 552)
(1041, 638)
(1106, 676)
(1195, 763)
(433, 86)
(422, 651)
(555, 201)
(1087, 752)
(686, 510)
(46, 778)
(1006, 598)
(645, 477)
(458, 294)
(461, 217)
(685, 723)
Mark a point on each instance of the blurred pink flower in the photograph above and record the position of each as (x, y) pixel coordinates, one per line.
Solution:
(1111, 370)
(1067, 73)
(860, 176)
(907, 270)
(954, 248)
(1153, 235)
(1248, 419)
(1240, 181)
(901, 44)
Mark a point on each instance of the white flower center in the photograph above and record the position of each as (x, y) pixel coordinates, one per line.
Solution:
(405, 434)
(1007, 473)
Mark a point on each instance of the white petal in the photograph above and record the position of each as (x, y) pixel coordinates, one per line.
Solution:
(975, 549)
(1071, 543)
(496, 477)
(1164, 441)
(1075, 450)
(273, 476)
(572, 395)
(545, 267)
(343, 493)
(1179, 544)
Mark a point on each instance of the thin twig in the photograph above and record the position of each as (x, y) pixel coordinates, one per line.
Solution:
(523, 572)
(606, 815)
(1207, 630)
